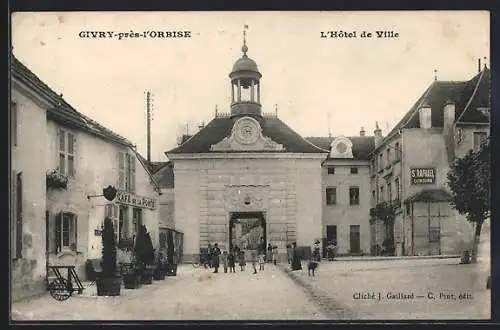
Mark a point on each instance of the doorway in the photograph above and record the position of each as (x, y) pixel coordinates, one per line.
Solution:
(354, 238)
(247, 230)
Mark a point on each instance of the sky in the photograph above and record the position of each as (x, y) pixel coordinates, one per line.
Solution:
(320, 85)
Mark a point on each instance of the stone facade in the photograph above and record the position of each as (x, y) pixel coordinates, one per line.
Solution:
(286, 190)
(27, 216)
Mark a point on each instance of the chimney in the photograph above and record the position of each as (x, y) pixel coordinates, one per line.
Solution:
(378, 135)
(448, 115)
(201, 126)
(362, 131)
(479, 65)
(424, 113)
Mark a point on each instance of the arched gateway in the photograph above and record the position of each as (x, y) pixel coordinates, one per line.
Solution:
(247, 175)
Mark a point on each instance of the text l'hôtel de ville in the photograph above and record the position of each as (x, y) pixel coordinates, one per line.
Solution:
(343, 34)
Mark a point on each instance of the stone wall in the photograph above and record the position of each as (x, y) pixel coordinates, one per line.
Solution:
(28, 273)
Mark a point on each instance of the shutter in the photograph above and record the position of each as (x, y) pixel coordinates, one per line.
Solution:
(72, 141)
(13, 214)
(75, 226)
(132, 159)
(121, 170)
(57, 231)
(19, 215)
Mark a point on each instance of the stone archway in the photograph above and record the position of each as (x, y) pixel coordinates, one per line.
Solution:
(247, 229)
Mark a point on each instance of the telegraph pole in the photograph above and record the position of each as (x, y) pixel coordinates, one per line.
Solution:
(148, 109)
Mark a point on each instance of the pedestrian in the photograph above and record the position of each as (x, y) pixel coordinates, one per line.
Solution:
(314, 260)
(215, 257)
(253, 258)
(269, 256)
(241, 259)
(296, 262)
(289, 253)
(261, 259)
(231, 261)
(275, 255)
(223, 259)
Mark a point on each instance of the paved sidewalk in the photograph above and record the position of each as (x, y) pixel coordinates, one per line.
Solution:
(194, 294)
(337, 283)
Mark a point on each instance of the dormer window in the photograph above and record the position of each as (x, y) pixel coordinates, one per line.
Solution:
(341, 147)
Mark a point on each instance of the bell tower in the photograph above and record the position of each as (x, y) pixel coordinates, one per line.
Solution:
(245, 85)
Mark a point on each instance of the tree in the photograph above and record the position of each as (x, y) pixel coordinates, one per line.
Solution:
(469, 181)
(108, 249)
(143, 247)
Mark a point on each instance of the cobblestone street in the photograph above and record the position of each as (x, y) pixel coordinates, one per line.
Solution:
(194, 294)
(339, 281)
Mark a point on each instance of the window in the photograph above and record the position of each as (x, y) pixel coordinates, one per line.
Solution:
(397, 188)
(16, 215)
(380, 162)
(354, 195)
(388, 156)
(66, 153)
(397, 151)
(354, 170)
(66, 232)
(374, 196)
(331, 196)
(111, 211)
(479, 139)
(123, 222)
(389, 192)
(381, 195)
(137, 219)
(126, 171)
(434, 234)
(331, 170)
(408, 208)
(13, 124)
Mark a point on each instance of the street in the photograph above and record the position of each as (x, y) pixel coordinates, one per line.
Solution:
(409, 289)
(194, 294)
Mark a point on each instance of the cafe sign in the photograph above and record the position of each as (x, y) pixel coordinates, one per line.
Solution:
(127, 198)
(425, 175)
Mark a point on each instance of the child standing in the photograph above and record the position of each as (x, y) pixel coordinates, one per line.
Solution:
(223, 259)
(261, 261)
(241, 257)
(231, 261)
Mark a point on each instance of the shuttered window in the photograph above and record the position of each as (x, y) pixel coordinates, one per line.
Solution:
(66, 152)
(16, 215)
(66, 232)
(111, 211)
(126, 171)
(13, 124)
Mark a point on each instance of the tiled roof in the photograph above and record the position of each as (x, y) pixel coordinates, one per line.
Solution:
(361, 145)
(475, 90)
(220, 127)
(164, 176)
(61, 111)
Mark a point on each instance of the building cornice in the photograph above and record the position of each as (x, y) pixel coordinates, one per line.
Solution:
(246, 155)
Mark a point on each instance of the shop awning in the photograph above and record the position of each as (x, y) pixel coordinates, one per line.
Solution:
(430, 195)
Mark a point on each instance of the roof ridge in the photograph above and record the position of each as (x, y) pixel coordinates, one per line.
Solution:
(472, 95)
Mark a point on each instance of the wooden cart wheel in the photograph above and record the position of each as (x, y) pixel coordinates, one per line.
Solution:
(59, 289)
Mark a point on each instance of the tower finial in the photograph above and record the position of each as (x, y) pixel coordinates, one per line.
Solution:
(485, 62)
(435, 75)
(244, 48)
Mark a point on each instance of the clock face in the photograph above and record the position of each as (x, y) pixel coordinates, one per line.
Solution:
(247, 132)
(341, 147)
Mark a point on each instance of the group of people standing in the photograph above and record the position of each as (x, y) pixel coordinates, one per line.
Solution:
(214, 257)
(295, 257)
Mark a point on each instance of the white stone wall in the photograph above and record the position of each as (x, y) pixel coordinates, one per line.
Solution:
(28, 273)
(343, 215)
(286, 190)
(96, 167)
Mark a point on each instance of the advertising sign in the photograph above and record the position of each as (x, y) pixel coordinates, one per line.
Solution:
(425, 175)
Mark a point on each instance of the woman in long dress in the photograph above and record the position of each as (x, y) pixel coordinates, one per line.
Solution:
(296, 264)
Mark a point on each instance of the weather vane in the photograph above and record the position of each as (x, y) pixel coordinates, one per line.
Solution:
(244, 48)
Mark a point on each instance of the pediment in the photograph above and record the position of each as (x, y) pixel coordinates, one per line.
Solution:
(341, 147)
(246, 135)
